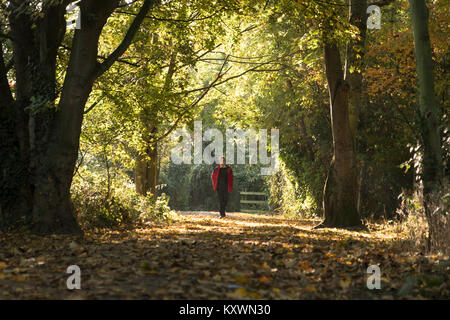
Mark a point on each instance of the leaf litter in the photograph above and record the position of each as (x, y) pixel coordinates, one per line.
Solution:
(199, 256)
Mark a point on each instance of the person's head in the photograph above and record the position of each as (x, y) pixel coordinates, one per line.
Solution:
(222, 161)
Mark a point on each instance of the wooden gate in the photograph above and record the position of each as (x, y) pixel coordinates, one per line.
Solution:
(253, 202)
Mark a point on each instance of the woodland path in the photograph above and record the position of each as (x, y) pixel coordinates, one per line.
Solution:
(200, 256)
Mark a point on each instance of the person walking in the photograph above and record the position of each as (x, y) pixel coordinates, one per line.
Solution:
(222, 181)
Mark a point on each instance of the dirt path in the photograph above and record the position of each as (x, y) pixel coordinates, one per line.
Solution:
(202, 257)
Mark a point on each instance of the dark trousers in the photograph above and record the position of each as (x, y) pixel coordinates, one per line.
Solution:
(223, 199)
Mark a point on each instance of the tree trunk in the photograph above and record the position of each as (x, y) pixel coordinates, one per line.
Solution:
(15, 191)
(55, 148)
(340, 193)
(146, 171)
(153, 169)
(42, 138)
(429, 111)
(354, 67)
(354, 62)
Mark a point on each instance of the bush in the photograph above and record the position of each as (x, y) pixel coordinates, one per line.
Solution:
(415, 225)
(156, 209)
(287, 197)
(98, 205)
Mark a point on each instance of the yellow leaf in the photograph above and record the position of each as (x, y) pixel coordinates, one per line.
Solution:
(255, 295)
(310, 288)
(150, 271)
(245, 293)
(241, 291)
(305, 265)
(19, 279)
(241, 280)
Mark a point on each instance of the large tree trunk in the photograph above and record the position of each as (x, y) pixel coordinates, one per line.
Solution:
(57, 153)
(340, 193)
(35, 189)
(354, 67)
(429, 110)
(55, 132)
(342, 190)
(15, 191)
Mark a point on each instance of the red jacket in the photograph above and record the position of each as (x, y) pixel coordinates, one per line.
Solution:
(215, 178)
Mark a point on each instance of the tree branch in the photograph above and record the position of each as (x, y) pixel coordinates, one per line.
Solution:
(104, 58)
(123, 46)
(194, 18)
(202, 95)
(253, 69)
